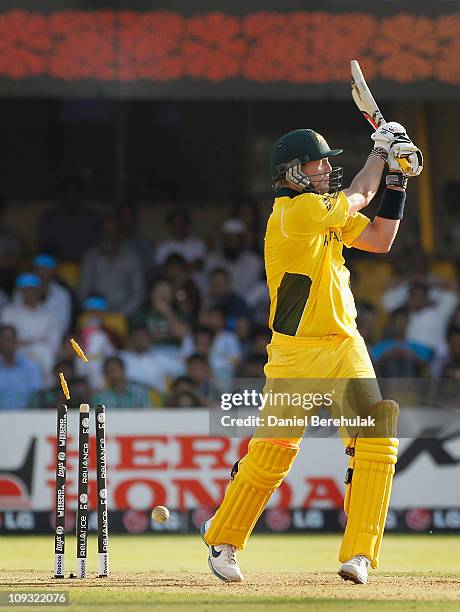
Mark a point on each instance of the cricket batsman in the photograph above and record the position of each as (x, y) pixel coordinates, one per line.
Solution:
(314, 334)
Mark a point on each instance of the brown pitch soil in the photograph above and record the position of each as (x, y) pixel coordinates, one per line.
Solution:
(389, 587)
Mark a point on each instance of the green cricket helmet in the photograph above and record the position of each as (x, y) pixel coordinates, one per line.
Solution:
(296, 148)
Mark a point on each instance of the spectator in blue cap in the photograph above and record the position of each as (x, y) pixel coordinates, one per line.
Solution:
(55, 298)
(95, 302)
(38, 334)
(95, 339)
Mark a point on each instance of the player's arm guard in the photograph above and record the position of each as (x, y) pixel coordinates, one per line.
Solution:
(258, 475)
(368, 485)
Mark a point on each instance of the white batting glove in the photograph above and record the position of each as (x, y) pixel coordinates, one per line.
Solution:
(405, 157)
(388, 134)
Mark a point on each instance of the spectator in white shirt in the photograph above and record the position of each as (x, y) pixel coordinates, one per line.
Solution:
(38, 334)
(243, 266)
(180, 242)
(225, 352)
(55, 298)
(146, 365)
(430, 309)
(415, 267)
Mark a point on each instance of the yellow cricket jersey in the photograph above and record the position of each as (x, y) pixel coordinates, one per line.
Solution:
(308, 282)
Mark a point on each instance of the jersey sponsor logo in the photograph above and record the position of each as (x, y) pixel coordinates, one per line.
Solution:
(332, 234)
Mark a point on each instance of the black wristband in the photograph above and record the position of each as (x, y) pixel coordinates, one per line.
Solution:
(392, 204)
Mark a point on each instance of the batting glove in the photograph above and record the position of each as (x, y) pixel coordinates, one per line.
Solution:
(388, 134)
(405, 157)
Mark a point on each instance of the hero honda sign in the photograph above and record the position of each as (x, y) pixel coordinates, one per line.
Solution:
(168, 458)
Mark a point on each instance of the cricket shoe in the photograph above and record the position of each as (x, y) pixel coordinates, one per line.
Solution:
(355, 569)
(222, 559)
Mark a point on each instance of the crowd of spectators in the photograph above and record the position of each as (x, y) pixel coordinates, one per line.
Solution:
(171, 324)
(421, 320)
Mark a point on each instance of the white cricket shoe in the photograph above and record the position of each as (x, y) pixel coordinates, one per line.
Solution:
(222, 559)
(355, 569)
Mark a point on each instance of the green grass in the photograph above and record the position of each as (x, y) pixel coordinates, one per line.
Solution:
(265, 553)
(217, 603)
(170, 572)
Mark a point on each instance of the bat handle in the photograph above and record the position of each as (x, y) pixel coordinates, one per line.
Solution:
(404, 164)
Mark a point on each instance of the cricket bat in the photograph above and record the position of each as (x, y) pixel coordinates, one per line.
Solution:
(366, 104)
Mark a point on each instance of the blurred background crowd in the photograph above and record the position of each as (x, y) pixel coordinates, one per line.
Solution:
(166, 323)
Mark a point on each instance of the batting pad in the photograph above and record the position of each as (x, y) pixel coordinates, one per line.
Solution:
(259, 474)
(368, 494)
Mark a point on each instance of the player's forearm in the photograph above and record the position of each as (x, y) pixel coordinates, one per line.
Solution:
(388, 217)
(385, 231)
(365, 184)
(379, 235)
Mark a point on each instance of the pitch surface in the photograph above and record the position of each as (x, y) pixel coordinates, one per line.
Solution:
(284, 572)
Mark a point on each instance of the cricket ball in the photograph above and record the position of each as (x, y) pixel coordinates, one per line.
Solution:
(160, 514)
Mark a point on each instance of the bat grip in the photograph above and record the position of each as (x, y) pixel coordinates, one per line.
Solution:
(404, 164)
